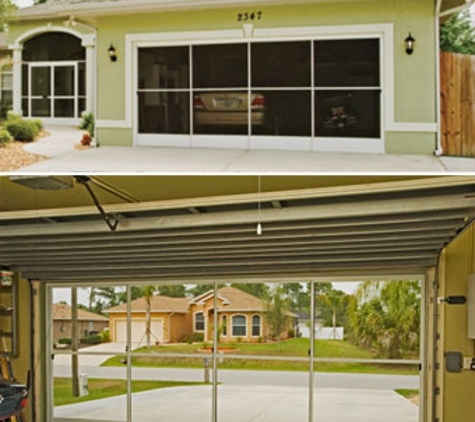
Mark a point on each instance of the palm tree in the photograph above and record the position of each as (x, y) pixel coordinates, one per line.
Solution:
(148, 292)
(386, 316)
(333, 299)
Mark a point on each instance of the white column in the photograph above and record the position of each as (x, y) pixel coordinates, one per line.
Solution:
(17, 81)
(90, 78)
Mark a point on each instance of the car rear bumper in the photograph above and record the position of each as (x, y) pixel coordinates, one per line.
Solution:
(209, 118)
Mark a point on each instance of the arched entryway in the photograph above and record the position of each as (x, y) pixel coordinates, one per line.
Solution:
(53, 73)
(54, 77)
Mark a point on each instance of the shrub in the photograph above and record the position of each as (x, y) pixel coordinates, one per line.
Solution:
(192, 338)
(21, 130)
(88, 123)
(12, 117)
(291, 333)
(5, 138)
(38, 123)
(105, 336)
(64, 341)
(91, 340)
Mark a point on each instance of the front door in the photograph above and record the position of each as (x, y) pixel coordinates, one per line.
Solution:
(53, 90)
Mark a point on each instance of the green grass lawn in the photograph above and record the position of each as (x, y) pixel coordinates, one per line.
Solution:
(289, 348)
(412, 395)
(103, 388)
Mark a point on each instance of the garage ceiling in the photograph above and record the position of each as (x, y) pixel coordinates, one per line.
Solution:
(338, 226)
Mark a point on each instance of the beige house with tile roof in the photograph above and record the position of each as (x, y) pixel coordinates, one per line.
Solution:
(240, 316)
(88, 322)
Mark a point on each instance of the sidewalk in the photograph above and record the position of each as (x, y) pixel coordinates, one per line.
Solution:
(60, 147)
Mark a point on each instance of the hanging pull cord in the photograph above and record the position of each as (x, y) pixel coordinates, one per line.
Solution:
(112, 222)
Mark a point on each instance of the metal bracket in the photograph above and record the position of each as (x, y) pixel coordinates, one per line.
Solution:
(112, 222)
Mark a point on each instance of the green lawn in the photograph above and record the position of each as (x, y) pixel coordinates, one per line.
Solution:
(103, 388)
(412, 395)
(289, 348)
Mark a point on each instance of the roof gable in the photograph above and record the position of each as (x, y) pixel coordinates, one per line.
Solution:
(63, 312)
(232, 300)
(158, 304)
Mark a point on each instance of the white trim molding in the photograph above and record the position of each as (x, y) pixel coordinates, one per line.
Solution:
(87, 39)
(412, 127)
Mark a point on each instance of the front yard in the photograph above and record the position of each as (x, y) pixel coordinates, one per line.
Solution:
(235, 358)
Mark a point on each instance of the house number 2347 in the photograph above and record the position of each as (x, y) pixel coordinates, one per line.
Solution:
(249, 16)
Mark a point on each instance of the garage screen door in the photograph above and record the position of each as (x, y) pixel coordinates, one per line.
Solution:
(138, 332)
(328, 89)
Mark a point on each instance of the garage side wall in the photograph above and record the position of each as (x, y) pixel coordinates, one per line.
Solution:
(456, 401)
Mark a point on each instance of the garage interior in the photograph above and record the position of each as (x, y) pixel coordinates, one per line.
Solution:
(179, 229)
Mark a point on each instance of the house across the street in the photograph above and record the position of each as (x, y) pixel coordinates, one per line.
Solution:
(241, 317)
(89, 323)
(314, 75)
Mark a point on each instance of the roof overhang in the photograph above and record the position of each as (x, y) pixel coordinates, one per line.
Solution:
(393, 227)
(446, 8)
(58, 9)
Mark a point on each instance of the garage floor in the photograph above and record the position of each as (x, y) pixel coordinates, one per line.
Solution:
(246, 404)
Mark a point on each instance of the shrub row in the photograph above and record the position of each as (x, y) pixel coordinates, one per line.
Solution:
(192, 338)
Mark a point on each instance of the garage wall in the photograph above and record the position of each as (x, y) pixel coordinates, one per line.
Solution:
(21, 363)
(457, 389)
(413, 74)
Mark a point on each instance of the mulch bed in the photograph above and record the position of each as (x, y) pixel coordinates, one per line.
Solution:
(13, 157)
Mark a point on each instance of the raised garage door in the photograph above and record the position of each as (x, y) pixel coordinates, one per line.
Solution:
(138, 331)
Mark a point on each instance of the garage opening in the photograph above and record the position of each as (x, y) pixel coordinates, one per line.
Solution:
(302, 89)
(303, 351)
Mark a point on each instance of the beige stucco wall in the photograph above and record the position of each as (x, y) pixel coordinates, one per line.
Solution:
(180, 326)
(456, 402)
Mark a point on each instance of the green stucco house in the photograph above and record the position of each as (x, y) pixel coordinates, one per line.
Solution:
(319, 75)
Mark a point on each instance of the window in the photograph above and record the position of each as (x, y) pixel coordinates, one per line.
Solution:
(239, 326)
(305, 88)
(256, 326)
(6, 91)
(224, 324)
(199, 321)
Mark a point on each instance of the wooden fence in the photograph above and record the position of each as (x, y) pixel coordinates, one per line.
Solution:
(458, 104)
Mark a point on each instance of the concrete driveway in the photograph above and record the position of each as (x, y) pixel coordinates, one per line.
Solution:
(246, 404)
(60, 147)
(91, 360)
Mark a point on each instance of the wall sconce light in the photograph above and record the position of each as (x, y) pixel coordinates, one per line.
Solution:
(410, 44)
(112, 53)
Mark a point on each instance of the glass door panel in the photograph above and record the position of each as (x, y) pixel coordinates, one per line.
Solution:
(362, 366)
(263, 364)
(64, 81)
(41, 91)
(65, 91)
(53, 90)
(171, 356)
(85, 385)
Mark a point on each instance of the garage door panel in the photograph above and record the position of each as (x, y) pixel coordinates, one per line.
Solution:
(138, 331)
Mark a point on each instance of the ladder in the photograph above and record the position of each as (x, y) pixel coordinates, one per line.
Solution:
(6, 373)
